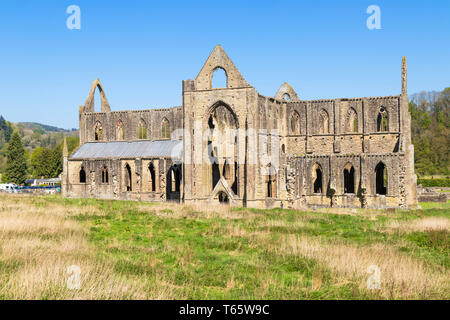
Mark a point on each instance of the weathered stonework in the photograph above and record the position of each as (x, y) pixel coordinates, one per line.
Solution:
(349, 152)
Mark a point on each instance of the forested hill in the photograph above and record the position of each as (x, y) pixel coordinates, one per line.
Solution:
(42, 127)
(41, 141)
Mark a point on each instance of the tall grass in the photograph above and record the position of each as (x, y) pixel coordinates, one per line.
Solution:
(134, 250)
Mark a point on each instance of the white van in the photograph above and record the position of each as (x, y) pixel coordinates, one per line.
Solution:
(9, 188)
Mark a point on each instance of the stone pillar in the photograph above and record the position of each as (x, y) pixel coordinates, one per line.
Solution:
(405, 122)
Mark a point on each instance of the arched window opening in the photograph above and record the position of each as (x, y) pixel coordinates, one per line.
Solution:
(82, 175)
(283, 148)
(142, 130)
(349, 179)
(151, 169)
(381, 178)
(175, 179)
(223, 197)
(382, 120)
(317, 179)
(97, 99)
(352, 121)
(226, 172)
(105, 175)
(119, 131)
(324, 122)
(271, 182)
(165, 129)
(128, 180)
(98, 131)
(295, 123)
(219, 78)
(286, 97)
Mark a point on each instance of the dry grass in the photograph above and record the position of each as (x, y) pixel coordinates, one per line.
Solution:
(423, 224)
(401, 276)
(37, 246)
(40, 239)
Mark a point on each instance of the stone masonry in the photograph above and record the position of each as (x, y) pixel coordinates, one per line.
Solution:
(236, 146)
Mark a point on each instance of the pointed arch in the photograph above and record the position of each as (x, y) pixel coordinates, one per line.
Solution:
(82, 175)
(286, 93)
(89, 105)
(105, 175)
(295, 123)
(382, 120)
(119, 131)
(142, 130)
(98, 131)
(152, 174)
(351, 124)
(271, 181)
(381, 179)
(165, 128)
(349, 178)
(317, 178)
(128, 178)
(175, 179)
(324, 122)
(219, 78)
(219, 58)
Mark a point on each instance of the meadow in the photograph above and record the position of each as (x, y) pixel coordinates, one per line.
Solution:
(134, 250)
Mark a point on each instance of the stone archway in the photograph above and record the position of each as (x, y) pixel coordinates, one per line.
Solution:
(222, 145)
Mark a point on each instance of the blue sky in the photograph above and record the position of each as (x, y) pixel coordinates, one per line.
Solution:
(142, 50)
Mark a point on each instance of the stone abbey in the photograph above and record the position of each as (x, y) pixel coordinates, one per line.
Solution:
(232, 145)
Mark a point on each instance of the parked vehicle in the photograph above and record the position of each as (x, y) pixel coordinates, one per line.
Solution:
(9, 188)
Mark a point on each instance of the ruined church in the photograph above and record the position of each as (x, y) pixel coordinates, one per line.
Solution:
(232, 145)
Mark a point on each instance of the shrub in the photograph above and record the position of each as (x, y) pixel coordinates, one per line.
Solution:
(434, 182)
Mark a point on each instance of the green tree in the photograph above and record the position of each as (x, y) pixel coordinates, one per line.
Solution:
(16, 164)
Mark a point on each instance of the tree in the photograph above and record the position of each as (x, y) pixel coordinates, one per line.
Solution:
(16, 165)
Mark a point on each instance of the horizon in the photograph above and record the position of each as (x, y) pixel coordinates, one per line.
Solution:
(141, 54)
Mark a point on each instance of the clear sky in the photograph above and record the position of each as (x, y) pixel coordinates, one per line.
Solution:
(142, 50)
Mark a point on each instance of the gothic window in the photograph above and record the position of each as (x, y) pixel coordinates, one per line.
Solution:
(271, 182)
(105, 175)
(128, 180)
(142, 130)
(219, 78)
(352, 121)
(152, 172)
(175, 177)
(324, 122)
(165, 129)
(286, 97)
(317, 178)
(119, 131)
(98, 130)
(295, 123)
(349, 178)
(381, 178)
(382, 120)
(82, 175)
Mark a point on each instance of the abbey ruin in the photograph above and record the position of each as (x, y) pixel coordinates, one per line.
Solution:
(232, 145)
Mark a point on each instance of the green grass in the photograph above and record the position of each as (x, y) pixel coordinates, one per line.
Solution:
(202, 260)
(201, 257)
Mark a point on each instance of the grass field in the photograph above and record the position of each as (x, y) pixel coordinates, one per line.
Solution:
(132, 250)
